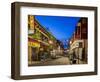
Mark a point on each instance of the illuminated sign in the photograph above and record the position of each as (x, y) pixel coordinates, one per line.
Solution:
(33, 44)
(31, 24)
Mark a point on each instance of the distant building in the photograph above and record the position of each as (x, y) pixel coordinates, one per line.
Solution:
(79, 40)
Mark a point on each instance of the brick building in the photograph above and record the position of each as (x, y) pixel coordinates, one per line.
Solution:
(79, 40)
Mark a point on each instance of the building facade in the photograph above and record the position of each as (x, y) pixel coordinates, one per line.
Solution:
(39, 39)
(79, 40)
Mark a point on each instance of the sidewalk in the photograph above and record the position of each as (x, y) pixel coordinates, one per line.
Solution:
(78, 61)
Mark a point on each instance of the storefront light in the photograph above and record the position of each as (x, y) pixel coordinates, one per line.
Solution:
(50, 42)
(70, 42)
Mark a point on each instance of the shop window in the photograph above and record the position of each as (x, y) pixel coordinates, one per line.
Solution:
(80, 45)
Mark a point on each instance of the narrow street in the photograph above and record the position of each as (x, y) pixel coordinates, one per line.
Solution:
(61, 46)
(57, 61)
(60, 60)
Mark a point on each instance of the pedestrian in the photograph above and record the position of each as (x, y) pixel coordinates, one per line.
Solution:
(74, 58)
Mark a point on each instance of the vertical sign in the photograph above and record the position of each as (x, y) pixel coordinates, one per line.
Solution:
(30, 24)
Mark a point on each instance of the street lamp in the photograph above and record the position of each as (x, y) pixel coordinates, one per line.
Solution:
(50, 42)
(70, 42)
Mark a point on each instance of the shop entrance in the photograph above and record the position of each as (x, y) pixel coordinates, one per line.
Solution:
(34, 54)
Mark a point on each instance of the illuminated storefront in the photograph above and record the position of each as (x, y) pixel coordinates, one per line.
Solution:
(38, 38)
(33, 47)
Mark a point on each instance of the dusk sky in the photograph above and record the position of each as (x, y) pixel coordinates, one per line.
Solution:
(60, 26)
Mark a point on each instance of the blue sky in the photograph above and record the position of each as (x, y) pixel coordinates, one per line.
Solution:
(62, 27)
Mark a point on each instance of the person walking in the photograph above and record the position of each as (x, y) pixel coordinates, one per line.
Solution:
(74, 58)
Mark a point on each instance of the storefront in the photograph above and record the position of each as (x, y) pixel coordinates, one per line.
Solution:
(33, 49)
(39, 40)
(77, 47)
